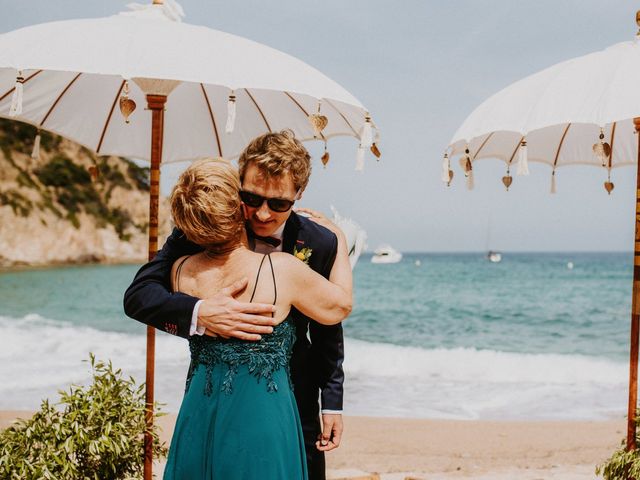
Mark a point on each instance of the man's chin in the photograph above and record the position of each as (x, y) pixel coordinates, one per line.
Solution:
(264, 229)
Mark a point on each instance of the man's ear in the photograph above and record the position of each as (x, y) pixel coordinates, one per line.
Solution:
(299, 194)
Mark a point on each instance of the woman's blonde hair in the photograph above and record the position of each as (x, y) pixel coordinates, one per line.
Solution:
(275, 154)
(205, 203)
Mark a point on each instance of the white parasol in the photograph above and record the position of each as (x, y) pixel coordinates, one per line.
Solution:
(582, 111)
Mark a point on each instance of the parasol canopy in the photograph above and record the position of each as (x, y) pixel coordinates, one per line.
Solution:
(578, 112)
(226, 89)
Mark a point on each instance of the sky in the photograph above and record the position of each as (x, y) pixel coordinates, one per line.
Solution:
(420, 67)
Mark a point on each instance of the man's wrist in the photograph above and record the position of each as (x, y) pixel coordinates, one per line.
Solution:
(194, 329)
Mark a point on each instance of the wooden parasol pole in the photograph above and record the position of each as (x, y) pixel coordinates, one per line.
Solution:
(156, 104)
(635, 314)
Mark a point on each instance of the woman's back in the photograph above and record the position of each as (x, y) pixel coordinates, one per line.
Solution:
(203, 276)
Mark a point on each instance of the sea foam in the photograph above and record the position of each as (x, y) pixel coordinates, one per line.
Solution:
(39, 356)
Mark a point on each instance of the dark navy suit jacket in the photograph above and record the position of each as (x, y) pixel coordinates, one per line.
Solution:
(316, 362)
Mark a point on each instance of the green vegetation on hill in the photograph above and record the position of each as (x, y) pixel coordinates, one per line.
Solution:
(67, 188)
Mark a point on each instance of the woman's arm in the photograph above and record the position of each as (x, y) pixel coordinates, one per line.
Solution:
(326, 301)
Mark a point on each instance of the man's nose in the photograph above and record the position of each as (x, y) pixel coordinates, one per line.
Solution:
(263, 212)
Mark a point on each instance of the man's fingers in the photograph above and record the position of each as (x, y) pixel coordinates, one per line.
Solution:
(255, 308)
(327, 427)
(236, 288)
(254, 319)
(252, 337)
(325, 448)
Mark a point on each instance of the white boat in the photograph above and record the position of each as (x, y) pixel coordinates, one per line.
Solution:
(386, 254)
(494, 257)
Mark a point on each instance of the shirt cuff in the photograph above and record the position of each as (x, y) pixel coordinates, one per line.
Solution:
(195, 329)
(331, 412)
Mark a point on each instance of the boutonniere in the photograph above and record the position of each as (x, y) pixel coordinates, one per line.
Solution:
(303, 254)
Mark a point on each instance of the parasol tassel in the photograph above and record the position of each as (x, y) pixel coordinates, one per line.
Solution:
(231, 113)
(366, 135)
(35, 153)
(553, 183)
(523, 160)
(16, 99)
(446, 168)
(360, 159)
(470, 181)
(602, 149)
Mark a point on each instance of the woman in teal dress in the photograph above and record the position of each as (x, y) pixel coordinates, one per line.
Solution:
(238, 419)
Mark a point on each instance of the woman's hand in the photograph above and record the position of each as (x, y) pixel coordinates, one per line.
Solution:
(321, 219)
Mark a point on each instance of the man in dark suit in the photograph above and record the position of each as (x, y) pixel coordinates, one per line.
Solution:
(274, 171)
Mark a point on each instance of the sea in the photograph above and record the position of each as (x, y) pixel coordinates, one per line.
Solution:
(442, 336)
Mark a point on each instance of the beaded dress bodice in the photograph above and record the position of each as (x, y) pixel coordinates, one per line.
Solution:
(262, 358)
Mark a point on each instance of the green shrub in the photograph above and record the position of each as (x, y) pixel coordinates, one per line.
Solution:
(96, 432)
(19, 203)
(623, 464)
(62, 172)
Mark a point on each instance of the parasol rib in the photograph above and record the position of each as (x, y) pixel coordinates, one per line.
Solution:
(564, 134)
(58, 99)
(25, 81)
(613, 136)
(213, 119)
(483, 144)
(259, 109)
(106, 123)
(515, 150)
(341, 115)
(301, 108)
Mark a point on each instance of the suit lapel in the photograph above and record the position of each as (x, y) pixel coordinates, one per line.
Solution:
(290, 234)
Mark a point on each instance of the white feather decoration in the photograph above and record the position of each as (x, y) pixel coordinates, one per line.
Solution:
(360, 159)
(523, 160)
(35, 153)
(231, 113)
(16, 99)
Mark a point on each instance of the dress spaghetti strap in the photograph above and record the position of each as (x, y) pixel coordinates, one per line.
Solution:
(273, 275)
(178, 270)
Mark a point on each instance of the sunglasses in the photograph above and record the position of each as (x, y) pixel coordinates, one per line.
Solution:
(254, 200)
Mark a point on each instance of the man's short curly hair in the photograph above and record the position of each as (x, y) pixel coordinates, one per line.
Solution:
(205, 203)
(276, 154)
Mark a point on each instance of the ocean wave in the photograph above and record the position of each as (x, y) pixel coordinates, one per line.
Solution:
(470, 364)
(39, 356)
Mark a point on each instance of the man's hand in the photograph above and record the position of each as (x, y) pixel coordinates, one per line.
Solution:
(224, 316)
(331, 432)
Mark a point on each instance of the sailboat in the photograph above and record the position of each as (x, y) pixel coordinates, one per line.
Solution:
(492, 255)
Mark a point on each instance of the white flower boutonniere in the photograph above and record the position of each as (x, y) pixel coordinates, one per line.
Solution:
(303, 254)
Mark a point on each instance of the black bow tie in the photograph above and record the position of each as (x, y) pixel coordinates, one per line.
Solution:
(273, 241)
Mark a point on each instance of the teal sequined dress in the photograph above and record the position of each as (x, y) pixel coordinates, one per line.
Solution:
(239, 419)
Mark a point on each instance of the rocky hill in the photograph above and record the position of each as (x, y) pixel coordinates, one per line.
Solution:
(69, 205)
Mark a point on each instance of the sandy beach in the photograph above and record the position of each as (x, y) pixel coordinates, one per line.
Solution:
(400, 448)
